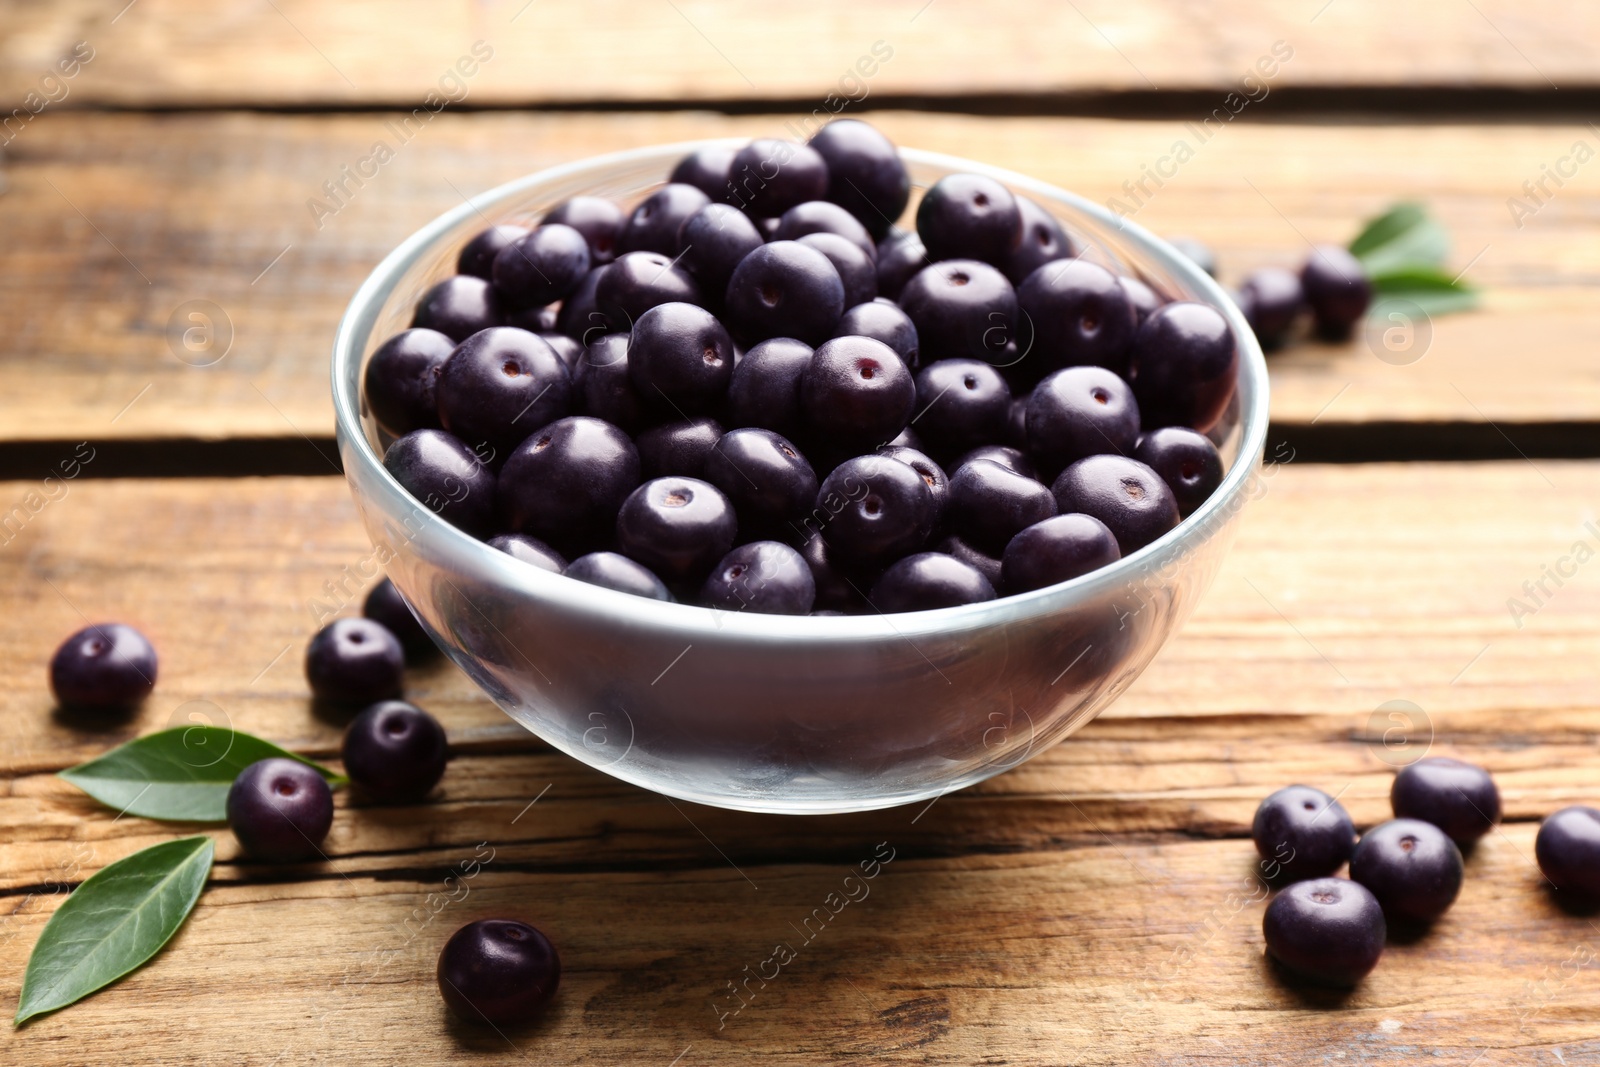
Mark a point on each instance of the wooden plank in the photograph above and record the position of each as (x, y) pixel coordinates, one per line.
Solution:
(184, 52)
(179, 208)
(1348, 587)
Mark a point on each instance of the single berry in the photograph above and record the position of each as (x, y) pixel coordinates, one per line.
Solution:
(1274, 299)
(961, 403)
(530, 550)
(395, 751)
(1043, 241)
(385, 606)
(680, 358)
(612, 571)
(1008, 457)
(882, 320)
(900, 257)
(541, 267)
(1300, 833)
(355, 661)
(106, 667)
(498, 971)
(598, 219)
(1184, 366)
(1075, 314)
(1186, 460)
(969, 216)
(765, 388)
(865, 174)
(565, 484)
(477, 255)
(785, 289)
(1078, 412)
(768, 177)
(568, 349)
(1459, 798)
(715, 241)
(280, 810)
(446, 476)
(764, 476)
(1337, 289)
(677, 448)
(873, 509)
(1328, 930)
(637, 282)
(657, 223)
(962, 309)
(678, 527)
(762, 576)
(1568, 850)
(932, 474)
(458, 307)
(1056, 550)
(706, 169)
(605, 386)
(979, 561)
(1411, 867)
(1196, 252)
(991, 504)
(856, 393)
(927, 581)
(499, 386)
(820, 216)
(580, 317)
(858, 273)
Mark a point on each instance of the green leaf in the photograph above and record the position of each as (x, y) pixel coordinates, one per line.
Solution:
(1386, 227)
(115, 921)
(1403, 237)
(1428, 288)
(181, 774)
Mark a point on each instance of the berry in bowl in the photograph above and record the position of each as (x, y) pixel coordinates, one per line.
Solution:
(796, 478)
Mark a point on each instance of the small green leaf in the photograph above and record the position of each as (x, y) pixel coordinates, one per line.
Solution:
(1401, 238)
(1386, 227)
(1429, 288)
(115, 921)
(181, 774)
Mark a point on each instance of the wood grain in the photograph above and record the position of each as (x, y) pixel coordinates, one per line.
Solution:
(186, 53)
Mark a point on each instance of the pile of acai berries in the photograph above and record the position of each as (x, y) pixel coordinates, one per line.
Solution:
(754, 392)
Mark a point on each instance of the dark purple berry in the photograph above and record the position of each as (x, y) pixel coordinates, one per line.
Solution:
(1017, 425)
(1184, 366)
(1078, 412)
(857, 271)
(768, 481)
(1459, 798)
(1196, 252)
(1043, 241)
(395, 751)
(1123, 493)
(446, 476)
(678, 527)
(598, 219)
(500, 385)
(280, 810)
(762, 576)
(765, 388)
(530, 550)
(355, 661)
(580, 317)
(1328, 930)
(819, 216)
(962, 309)
(906, 438)
(706, 169)
(105, 667)
(477, 255)
(1143, 298)
(990, 504)
(657, 223)
(565, 484)
(605, 386)
(613, 571)
(1337, 288)
(874, 509)
(1056, 550)
(882, 320)
(498, 971)
(768, 177)
(841, 584)
(715, 241)
(569, 349)
(637, 282)
(385, 606)
(1075, 314)
(856, 393)
(539, 320)
(1008, 457)
(961, 403)
(1300, 833)
(865, 174)
(969, 216)
(1411, 867)
(933, 474)
(927, 581)
(542, 267)
(900, 257)
(680, 358)
(458, 307)
(677, 448)
(981, 562)
(1568, 850)
(1187, 461)
(1274, 300)
(785, 289)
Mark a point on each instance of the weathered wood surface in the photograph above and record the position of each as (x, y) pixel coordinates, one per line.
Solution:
(187, 53)
(178, 208)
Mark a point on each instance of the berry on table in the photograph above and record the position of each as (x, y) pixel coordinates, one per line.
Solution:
(106, 667)
(1328, 930)
(1272, 300)
(1568, 850)
(394, 751)
(1337, 289)
(1412, 868)
(280, 810)
(498, 971)
(385, 606)
(355, 661)
(1459, 798)
(1301, 832)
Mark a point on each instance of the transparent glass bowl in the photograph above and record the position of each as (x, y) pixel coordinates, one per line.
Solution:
(776, 713)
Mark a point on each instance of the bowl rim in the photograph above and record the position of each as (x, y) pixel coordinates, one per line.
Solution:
(692, 619)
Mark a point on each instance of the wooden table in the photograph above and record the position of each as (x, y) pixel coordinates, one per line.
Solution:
(1094, 906)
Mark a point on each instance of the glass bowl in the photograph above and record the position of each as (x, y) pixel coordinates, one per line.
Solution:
(778, 713)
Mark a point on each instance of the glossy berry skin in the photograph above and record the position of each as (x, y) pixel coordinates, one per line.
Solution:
(969, 216)
(499, 386)
(927, 581)
(385, 606)
(981, 562)
(865, 174)
(1056, 550)
(762, 576)
(565, 484)
(1187, 461)
(1143, 298)
(1078, 412)
(1079, 315)
(1328, 930)
(876, 509)
(568, 349)
(1459, 798)
(280, 810)
(598, 219)
(477, 255)
(355, 661)
(678, 527)
(882, 320)
(1043, 241)
(679, 448)
(530, 550)
(657, 223)
(858, 273)
(961, 403)
(1184, 366)
(820, 216)
(962, 309)
(1412, 868)
(765, 477)
(706, 169)
(765, 387)
(932, 474)
(498, 971)
(1337, 289)
(605, 387)
(395, 752)
(1568, 850)
(458, 307)
(770, 176)
(900, 257)
(841, 584)
(637, 282)
(1300, 833)
(580, 317)
(1017, 426)
(1196, 252)
(539, 320)
(680, 358)
(856, 393)
(542, 267)
(715, 240)
(991, 504)
(446, 476)
(785, 289)
(106, 667)
(613, 571)
(1272, 300)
